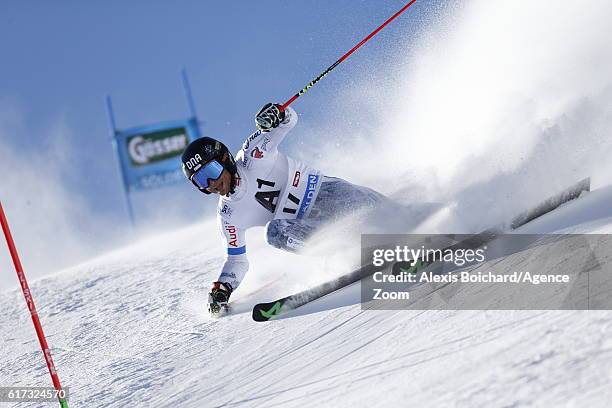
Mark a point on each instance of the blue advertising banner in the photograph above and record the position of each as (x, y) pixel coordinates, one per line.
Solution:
(150, 155)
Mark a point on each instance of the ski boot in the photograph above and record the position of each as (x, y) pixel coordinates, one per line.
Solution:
(218, 298)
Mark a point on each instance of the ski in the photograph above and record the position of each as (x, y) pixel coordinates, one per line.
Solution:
(265, 311)
(546, 206)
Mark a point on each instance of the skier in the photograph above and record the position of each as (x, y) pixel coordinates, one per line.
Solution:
(262, 186)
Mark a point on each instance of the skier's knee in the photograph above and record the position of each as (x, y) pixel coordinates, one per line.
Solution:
(273, 234)
(278, 235)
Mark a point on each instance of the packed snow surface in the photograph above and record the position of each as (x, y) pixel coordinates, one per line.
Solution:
(492, 109)
(130, 329)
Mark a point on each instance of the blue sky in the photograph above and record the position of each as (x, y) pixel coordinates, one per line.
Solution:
(452, 95)
(60, 59)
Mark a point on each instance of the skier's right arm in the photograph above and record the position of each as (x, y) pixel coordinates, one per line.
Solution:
(236, 263)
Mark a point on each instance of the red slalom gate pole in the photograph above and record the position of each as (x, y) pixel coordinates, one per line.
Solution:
(33, 313)
(345, 56)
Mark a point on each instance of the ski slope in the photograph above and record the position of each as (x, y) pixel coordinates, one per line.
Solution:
(493, 108)
(130, 329)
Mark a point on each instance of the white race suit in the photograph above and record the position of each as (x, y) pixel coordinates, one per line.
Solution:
(292, 198)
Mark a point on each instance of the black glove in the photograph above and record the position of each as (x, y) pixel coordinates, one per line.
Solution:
(269, 117)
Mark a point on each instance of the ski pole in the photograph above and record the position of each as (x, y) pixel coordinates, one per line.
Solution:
(33, 313)
(345, 56)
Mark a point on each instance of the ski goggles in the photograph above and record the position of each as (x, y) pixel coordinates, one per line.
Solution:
(211, 170)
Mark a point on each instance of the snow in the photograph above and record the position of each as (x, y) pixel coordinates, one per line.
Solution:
(130, 329)
(495, 110)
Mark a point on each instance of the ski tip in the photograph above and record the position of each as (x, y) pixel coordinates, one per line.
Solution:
(262, 312)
